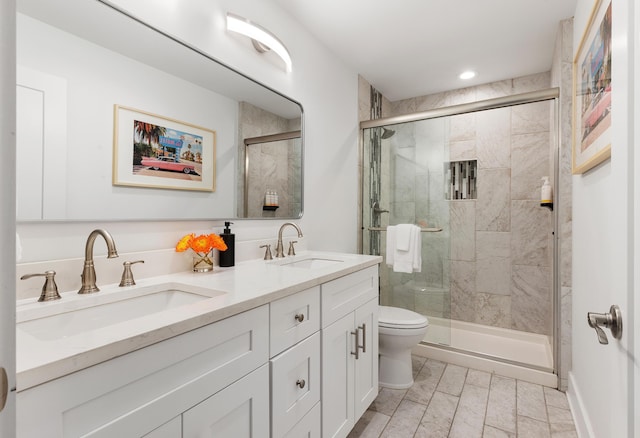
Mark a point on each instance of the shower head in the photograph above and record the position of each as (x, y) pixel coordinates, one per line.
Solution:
(387, 133)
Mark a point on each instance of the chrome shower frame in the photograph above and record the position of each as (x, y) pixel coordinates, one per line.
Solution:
(550, 94)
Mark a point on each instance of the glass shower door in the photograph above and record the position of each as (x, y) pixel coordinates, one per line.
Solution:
(404, 173)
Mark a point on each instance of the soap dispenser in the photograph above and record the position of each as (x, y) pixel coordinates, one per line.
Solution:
(227, 258)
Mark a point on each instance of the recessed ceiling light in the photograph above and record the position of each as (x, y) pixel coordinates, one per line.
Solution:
(467, 74)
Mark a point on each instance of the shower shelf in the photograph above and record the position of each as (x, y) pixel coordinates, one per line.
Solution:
(422, 230)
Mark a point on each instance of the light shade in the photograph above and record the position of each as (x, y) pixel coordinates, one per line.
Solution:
(262, 39)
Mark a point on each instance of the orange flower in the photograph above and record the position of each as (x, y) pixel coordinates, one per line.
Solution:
(202, 243)
(185, 243)
(217, 242)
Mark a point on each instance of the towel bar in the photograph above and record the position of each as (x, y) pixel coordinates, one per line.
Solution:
(422, 230)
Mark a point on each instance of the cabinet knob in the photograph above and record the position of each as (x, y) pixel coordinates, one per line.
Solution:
(301, 383)
(299, 317)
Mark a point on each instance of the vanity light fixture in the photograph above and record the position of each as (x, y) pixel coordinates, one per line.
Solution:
(262, 39)
(467, 75)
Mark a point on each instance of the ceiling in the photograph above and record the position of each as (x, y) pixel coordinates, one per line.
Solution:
(409, 48)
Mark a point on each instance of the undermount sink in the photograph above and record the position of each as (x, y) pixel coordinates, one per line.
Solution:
(311, 263)
(97, 315)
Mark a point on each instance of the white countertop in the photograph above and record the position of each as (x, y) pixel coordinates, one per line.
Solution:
(245, 286)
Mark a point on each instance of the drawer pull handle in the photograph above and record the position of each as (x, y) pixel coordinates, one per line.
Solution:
(300, 317)
(301, 383)
(357, 353)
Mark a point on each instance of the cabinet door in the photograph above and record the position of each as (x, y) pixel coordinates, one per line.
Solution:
(295, 384)
(240, 410)
(366, 367)
(338, 344)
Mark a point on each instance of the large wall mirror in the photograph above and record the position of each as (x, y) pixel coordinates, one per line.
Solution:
(89, 74)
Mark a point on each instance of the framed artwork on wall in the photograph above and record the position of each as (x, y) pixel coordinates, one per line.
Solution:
(592, 91)
(158, 152)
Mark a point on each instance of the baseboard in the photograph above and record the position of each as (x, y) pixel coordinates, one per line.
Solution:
(580, 417)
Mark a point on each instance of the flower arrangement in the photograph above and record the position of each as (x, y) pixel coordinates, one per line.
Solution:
(202, 243)
(202, 246)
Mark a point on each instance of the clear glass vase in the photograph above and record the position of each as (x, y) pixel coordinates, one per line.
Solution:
(203, 262)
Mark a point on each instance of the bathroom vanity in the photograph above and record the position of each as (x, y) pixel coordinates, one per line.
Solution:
(283, 349)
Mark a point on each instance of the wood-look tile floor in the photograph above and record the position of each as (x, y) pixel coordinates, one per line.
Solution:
(452, 401)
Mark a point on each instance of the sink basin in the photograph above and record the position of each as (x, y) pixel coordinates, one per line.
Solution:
(312, 263)
(82, 320)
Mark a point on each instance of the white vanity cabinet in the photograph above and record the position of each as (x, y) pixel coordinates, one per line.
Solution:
(349, 350)
(148, 391)
(305, 365)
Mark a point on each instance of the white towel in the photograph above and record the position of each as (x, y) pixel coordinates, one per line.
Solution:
(403, 237)
(409, 260)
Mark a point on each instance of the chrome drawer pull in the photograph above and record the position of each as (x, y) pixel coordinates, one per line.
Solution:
(300, 317)
(364, 337)
(301, 383)
(357, 353)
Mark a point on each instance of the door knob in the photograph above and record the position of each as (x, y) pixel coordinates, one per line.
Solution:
(611, 320)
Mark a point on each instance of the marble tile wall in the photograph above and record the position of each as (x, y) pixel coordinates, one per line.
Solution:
(500, 244)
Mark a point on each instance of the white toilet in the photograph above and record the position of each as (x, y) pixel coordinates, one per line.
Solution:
(399, 331)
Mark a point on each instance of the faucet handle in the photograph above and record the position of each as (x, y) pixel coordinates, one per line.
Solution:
(292, 250)
(267, 252)
(49, 289)
(127, 274)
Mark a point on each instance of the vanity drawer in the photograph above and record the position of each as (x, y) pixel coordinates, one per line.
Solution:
(294, 318)
(295, 384)
(343, 295)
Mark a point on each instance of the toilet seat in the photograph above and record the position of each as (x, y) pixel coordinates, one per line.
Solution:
(397, 318)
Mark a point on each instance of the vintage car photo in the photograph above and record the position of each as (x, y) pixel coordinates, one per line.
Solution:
(167, 163)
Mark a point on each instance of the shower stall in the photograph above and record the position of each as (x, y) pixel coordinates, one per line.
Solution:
(469, 176)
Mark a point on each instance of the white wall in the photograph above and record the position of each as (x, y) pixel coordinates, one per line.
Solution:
(325, 87)
(602, 221)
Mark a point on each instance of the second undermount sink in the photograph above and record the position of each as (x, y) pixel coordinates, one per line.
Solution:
(67, 322)
(311, 263)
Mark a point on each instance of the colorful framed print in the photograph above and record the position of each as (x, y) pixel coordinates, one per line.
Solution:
(592, 91)
(159, 152)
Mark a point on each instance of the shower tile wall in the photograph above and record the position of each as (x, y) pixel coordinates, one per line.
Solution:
(500, 244)
(276, 160)
(502, 239)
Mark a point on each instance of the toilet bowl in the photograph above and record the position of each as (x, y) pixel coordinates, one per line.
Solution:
(399, 331)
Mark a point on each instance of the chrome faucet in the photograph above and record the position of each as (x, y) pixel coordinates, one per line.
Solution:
(89, 271)
(280, 246)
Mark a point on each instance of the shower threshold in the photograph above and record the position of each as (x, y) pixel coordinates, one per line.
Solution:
(511, 353)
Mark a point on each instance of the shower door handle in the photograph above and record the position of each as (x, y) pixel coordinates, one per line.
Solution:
(611, 320)
(377, 209)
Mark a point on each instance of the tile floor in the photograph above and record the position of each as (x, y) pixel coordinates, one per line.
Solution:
(452, 401)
